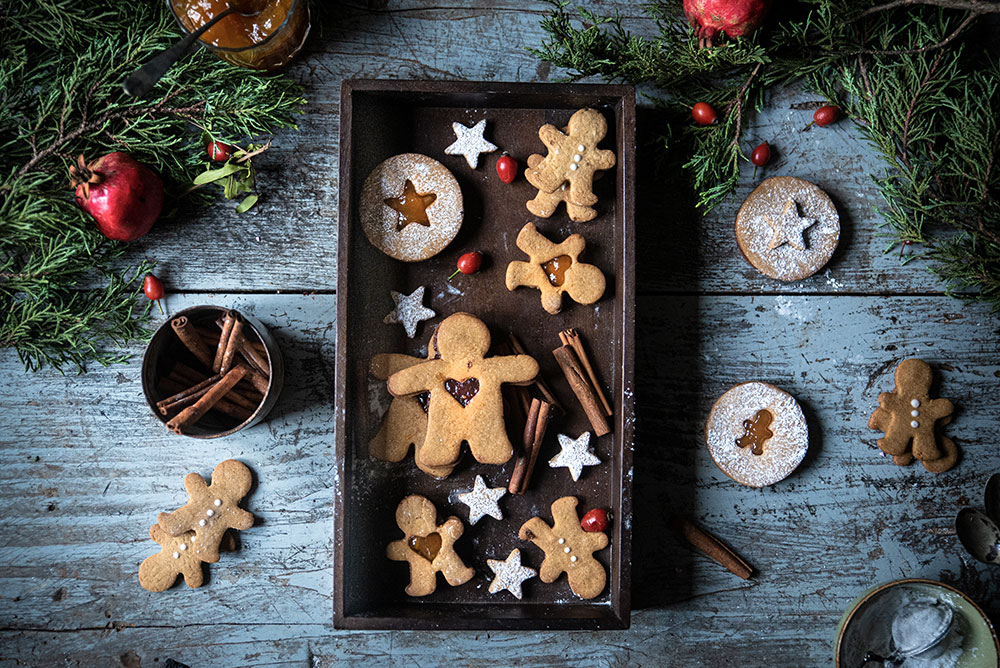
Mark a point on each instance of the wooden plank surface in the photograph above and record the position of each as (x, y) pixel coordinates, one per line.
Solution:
(85, 468)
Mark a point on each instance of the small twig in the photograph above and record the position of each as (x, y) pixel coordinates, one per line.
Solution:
(738, 102)
(905, 136)
(976, 6)
(930, 47)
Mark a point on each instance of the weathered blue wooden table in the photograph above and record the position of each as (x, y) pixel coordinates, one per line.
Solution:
(85, 467)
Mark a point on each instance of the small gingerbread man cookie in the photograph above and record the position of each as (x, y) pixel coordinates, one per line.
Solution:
(545, 204)
(555, 269)
(159, 571)
(465, 403)
(573, 156)
(427, 546)
(568, 549)
(405, 421)
(908, 415)
(211, 509)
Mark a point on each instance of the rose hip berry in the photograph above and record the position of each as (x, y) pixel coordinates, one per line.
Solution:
(595, 520)
(153, 289)
(703, 113)
(506, 168)
(761, 155)
(219, 151)
(824, 116)
(468, 263)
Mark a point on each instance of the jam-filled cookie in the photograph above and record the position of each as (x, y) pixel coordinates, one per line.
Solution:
(411, 207)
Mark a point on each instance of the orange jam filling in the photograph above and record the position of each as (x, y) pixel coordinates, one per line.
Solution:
(411, 207)
(556, 268)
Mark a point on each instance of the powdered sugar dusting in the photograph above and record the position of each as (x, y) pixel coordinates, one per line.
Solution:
(414, 242)
(754, 229)
(782, 452)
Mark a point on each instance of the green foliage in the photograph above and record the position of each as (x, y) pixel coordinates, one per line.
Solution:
(65, 296)
(924, 96)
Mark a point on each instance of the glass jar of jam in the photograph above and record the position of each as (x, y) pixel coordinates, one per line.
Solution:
(266, 40)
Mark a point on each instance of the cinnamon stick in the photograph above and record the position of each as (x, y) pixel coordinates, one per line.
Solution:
(233, 343)
(193, 413)
(174, 383)
(237, 395)
(220, 350)
(534, 435)
(211, 338)
(168, 404)
(188, 335)
(713, 547)
(580, 384)
(571, 338)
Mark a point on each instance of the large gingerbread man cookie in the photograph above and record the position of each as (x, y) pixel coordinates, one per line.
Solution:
(908, 415)
(176, 557)
(211, 509)
(405, 421)
(464, 403)
(573, 156)
(568, 549)
(555, 269)
(545, 204)
(427, 546)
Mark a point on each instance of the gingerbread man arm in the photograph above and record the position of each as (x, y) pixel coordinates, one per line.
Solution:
(413, 380)
(880, 419)
(384, 365)
(935, 409)
(448, 562)
(605, 159)
(512, 368)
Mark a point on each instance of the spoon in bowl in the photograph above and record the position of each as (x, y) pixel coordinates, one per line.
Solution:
(916, 628)
(979, 534)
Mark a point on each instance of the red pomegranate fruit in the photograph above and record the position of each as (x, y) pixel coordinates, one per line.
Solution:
(123, 195)
(732, 17)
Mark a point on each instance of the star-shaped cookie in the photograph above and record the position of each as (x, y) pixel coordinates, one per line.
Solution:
(575, 454)
(470, 142)
(409, 311)
(788, 226)
(509, 573)
(482, 500)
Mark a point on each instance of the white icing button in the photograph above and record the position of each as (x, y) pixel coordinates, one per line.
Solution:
(581, 148)
(201, 523)
(218, 502)
(915, 413)
(573, 558)
(192, 538)
(182, 547)
(177, 555)
(577, 158)
(915, 403)
(573, 167)
(209, 512)
(566, 550)
(914, 424)
(562, 540)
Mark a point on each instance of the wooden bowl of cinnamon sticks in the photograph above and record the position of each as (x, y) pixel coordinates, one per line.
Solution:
(210, 371)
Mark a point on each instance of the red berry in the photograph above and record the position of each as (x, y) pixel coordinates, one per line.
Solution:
(824, 116)
(703, 113)
(595, 520)
(468, 263)
(761, 155)
(219, 151)
(153, 288)
(506, 168)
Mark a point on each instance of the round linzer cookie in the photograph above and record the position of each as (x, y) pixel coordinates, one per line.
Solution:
(757, 434)
(411, 207)
(787, 228)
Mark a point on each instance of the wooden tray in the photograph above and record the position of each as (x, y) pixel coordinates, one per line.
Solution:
(379, 119)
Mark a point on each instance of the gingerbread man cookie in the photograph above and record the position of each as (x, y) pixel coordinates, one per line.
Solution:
(545, 204)
(555, 269)
(568, 549)
(159, 571)
(427, 546)
(908, 415)
(211, 509)
(405, 422)
(465, 403)
(573, 156)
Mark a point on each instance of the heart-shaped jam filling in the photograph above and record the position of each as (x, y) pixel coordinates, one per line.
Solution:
(555, 269)
(426, 546)
(462, 390)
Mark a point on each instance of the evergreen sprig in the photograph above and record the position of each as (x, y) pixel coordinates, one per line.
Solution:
(66, 298)
(924, 95)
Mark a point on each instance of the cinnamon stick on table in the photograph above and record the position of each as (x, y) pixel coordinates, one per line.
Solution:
(193, 413)
(578, 381)
(712, 547)
(571, 338)
(534, 434)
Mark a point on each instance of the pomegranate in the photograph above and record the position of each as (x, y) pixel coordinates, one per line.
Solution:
(123, 195)
(732, 17)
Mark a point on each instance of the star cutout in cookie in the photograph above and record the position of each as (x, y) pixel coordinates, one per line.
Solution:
(482, 500)
(409, 311)
(575, 454)
(788, 226)
(510, 574)
(470, 142)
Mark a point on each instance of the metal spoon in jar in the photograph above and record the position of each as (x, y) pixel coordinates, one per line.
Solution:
(143, 79)
(916, 628)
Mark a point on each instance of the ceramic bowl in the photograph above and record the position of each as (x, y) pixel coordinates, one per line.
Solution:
(867, 623)
(165, 349)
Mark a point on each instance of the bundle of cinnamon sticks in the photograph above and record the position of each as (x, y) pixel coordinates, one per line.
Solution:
(235, 378)
(579, 372)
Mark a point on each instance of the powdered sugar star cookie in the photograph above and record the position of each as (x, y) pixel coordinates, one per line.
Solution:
(575, 454)
(509, 574)
(787, 227)
(409, 311)
(470, 142)
(482, 500)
